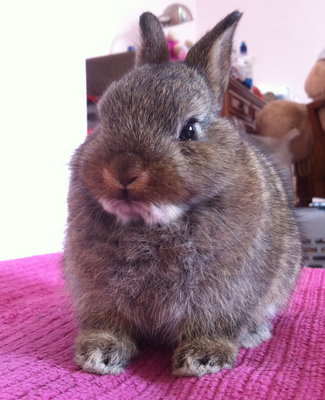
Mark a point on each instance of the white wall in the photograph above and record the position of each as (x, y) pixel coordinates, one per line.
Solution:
(284, 36)
(113, 25)
(42, 120)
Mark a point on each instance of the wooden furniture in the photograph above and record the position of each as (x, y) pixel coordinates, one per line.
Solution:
(310, 172)
(102, 71)
(241, 104)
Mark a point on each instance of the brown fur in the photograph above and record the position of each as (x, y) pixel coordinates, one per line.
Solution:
(220, 256)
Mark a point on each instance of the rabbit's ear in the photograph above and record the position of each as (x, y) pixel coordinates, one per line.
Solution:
(153, 49)
(212, 54)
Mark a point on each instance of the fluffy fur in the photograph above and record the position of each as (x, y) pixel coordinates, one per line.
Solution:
(188, 243)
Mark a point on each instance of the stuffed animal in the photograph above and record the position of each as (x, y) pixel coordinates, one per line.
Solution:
(315, 84)
(278, 118)
(286, 121)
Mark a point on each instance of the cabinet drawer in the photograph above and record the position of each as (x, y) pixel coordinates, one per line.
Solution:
(250, 127)
(240, 107)
(254, 111)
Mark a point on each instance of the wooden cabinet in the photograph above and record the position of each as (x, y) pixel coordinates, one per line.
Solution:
(242, 104)
(310, 172)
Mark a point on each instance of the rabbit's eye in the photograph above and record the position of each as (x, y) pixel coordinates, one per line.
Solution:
(188, 131)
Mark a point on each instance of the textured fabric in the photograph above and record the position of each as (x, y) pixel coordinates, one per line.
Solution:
(37, 329)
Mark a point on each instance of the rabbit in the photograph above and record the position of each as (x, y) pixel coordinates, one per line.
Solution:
(180, 232)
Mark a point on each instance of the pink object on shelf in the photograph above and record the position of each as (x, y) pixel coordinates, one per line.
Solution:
(175, 55)
(37, 329)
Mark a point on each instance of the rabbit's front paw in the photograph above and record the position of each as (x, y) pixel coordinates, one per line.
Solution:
(203, 356)
(102, 353)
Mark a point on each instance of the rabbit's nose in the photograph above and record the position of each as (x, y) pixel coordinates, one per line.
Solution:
(126, 174)
(128, 181)
(125, 181)
(135, 180)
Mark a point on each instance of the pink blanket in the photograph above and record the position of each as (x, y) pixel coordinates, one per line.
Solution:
(37, 331)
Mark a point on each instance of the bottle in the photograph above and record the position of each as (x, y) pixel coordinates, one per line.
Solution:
(245, 63)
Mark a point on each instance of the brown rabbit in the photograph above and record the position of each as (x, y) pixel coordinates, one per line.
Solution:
(179, 231)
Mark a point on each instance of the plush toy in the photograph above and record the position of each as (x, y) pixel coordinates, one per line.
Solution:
(286, 122)
(280, 119)
(285, 130)
(315, 84)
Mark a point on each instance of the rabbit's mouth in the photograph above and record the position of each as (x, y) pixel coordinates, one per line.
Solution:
(128, 210)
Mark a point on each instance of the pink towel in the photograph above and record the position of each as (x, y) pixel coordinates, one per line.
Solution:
(37, 329)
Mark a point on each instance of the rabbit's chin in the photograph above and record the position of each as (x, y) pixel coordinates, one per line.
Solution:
(127, 211)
